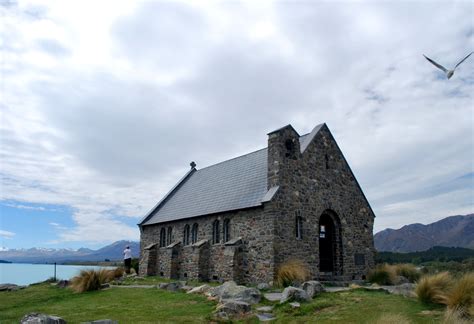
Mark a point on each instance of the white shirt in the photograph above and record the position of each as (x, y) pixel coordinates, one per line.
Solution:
(127, 254)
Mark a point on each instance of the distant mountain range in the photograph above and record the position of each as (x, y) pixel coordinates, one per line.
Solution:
(112, 252)
(453, 231)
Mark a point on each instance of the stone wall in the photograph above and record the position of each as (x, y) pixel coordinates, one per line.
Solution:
(248, 261)
(311, 183)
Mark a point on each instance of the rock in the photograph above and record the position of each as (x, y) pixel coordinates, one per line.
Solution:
(102, 321)
(232, 307)
(263, 286)
(406, 289)
(275, 296)
(186, 288)
(295, 305)
(230, 290)
(163, 285)
(312, 288)
(265, 317)
(265, 309)
(62, 283)
(294, 294)
(37, 318)
(10, 287)
(400, 280)
(200, 290)
(174, 286)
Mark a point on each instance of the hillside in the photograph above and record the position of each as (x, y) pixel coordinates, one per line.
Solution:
(453, 231)
(111, 252)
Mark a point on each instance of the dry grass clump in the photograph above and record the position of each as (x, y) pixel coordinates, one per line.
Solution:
(89, 280)
(455, 316)
(433, 288)
(392, 319)
(408, 271)
(292, 272)
(461, 296)
(386, 274)
(383, 274)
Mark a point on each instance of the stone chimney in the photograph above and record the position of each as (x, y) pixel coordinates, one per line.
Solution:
(283, 150)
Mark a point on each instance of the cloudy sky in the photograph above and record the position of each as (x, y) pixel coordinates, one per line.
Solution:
(104, 104)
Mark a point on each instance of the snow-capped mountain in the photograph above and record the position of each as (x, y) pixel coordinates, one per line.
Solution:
(47, 255)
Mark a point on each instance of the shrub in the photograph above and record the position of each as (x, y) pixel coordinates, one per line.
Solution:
(433, 288)
(292, 272)
(383, 274)
(461, 296)
(89, 280)
(408, 271)
(118, 272)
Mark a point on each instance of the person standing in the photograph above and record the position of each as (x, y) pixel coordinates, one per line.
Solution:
(127, 258)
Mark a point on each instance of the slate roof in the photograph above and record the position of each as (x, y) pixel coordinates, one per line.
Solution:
(234, 184)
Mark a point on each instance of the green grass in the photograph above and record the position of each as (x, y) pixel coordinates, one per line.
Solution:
(140, 305)
(122, 304)
(357, 306)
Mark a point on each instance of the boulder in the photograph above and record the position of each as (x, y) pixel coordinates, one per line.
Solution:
(37, 318)
(230, 290)
(406, 289)
(10, 287)
(200, 290)
(62, 283)
(174, 286)
(294, 294)
(263, 286)
(232, 308)
(163, 285)
(295, 305)
(400, 280)
(312, 288)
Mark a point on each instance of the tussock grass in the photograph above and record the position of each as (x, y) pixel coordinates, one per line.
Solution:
(408, 271)
(461, 297)
(455, 316)
(433, 288)
(383, 274)
(292, 272)
(392, 319)
(89, 280)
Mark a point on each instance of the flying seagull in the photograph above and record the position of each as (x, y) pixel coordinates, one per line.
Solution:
(449, 73)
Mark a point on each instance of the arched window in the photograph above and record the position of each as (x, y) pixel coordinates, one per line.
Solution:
(170, 234)
(194, 233)
(186, 235)
(299, 227)
(215, 232)
(163, 237)
(226, 230)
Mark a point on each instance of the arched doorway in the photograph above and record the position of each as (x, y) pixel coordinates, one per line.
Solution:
(330, 247)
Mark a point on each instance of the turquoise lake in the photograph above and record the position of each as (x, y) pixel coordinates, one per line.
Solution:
(25, 274)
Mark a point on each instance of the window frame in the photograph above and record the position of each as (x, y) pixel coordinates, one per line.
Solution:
(226, 230)
(215, 232)
(194, 233)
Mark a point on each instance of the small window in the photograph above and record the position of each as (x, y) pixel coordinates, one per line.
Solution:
(194, 233)
(226, 230)
(299, 227)
(170, 234)
(163, 237)
(186, 235)
(326, 158)
(215, 232)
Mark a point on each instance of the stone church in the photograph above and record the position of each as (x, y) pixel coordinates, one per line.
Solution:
(242, 218)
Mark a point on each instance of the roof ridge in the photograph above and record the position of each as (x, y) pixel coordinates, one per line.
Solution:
(209, 166)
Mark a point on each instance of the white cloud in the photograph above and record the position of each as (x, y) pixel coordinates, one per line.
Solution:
(6, 234)
(104, 109)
